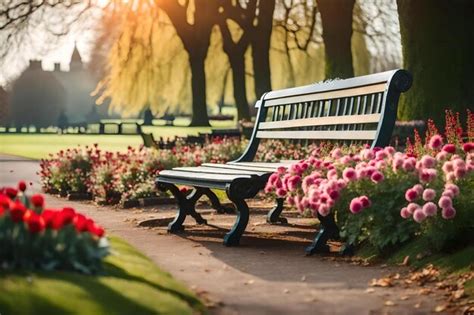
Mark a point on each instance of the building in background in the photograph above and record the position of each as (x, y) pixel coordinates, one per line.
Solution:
(45, 98)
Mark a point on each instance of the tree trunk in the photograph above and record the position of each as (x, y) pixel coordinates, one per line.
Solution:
(261, 48)
(336, 16)
(237, 63)
(438, 49)
(198, 88)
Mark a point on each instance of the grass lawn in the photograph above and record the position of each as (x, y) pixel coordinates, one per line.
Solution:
(131, 284)
(38, 146)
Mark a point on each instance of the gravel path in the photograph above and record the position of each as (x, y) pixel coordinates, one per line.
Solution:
(267, 274)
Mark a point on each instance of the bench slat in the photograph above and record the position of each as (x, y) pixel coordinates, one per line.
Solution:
(202, 176)
(320, 135)
(241, 167)
(352, 92)
(216, 170)
(271, 165)
(321, 121)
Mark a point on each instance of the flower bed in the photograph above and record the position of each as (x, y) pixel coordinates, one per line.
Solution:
(126, 178)
(35, 237)
(387, 197)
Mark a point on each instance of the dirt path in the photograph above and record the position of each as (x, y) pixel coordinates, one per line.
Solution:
(267, 274)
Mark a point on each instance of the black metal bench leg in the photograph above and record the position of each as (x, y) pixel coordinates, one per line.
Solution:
(328, 230)
(273, 215)
(215, 202)
(185, 206)
(233, 237)
(192, 198)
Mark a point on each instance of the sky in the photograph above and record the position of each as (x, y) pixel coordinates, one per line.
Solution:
(49, 49)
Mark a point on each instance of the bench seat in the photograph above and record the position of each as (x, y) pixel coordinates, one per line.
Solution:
(356, 110)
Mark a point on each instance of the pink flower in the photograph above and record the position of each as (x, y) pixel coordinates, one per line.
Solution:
(390, 150)
(448, 213)
(428, 174)
(428, 161)
(349, 174)
(404, 213)
(380, 155)
(409, 164)
(419, 216)
(290, 200)
(441, 156)
(332, 174)
(281, 170)
(293, 182)
(448, 167)
(468, 147)
(412, 207)
(450, 148)
(355, 206)
(334, 194)
(346, 159)
(448, 193)
(324, 210)
(453, 188)
(411, 195)
(430, 209)
(436, 142)
(281, 192)
(429, 194)
(377, 177)
(418, 188)
(273, 178)
(460, 173)
(368, 154)
(365, 201)
(336, 153)
(445, 202)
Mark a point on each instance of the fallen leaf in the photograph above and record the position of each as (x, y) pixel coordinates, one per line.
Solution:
(249, 282)
(458, 294)
(303, 278)
(286, 291)
(389, 303)
(370, 290)
(417, 305)
(425, 291)
(440, 308)
(382, 282)
(404, 298)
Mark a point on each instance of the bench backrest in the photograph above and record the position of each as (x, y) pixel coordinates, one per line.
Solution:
(360, 109)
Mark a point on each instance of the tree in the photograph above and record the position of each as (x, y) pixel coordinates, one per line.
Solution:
(243, 15)
(193, 21)
(437, 48)
(298, 23)
(336, 16)
(260, 38)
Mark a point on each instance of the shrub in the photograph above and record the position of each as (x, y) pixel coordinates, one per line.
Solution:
(391, 196)
(35, 237)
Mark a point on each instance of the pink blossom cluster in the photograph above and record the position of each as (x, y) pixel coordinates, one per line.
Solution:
(318, 182)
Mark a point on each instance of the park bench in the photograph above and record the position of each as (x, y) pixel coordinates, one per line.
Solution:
(356, 110)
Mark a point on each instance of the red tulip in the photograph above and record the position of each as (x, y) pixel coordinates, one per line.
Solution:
(80, 222)
(37, 200)
(63, 217)
(34, 221)
(11, 192)
(17, 210)
(22, 185)
(94, 228)
(4, 201)
(49, 217)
